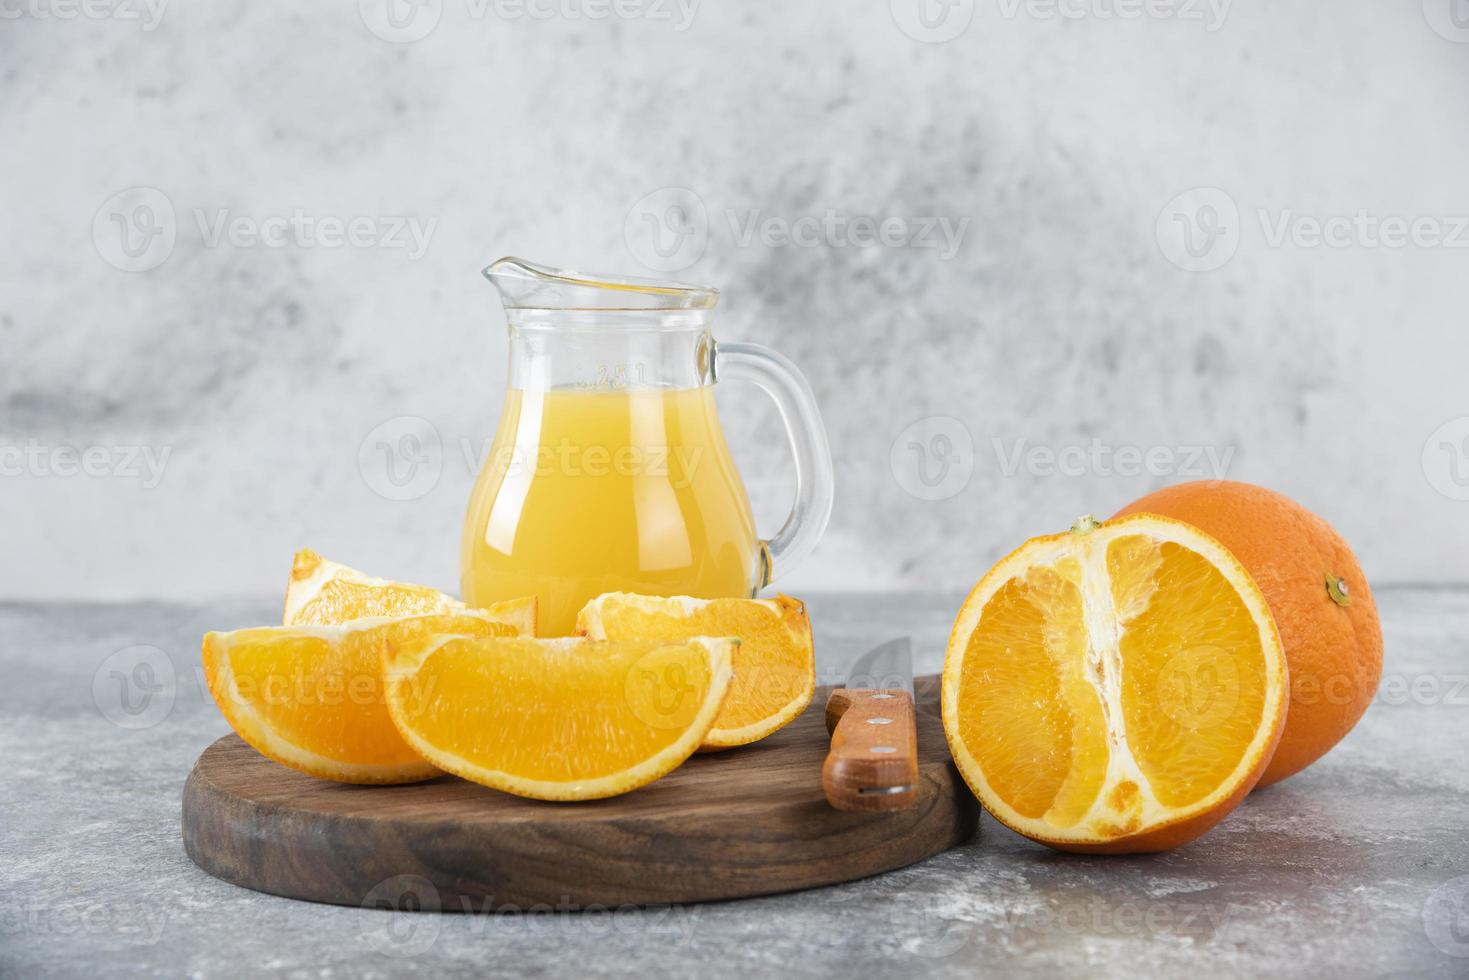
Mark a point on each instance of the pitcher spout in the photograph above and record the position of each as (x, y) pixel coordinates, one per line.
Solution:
(530, 286)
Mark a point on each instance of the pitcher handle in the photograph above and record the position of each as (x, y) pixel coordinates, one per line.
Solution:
(787, 386)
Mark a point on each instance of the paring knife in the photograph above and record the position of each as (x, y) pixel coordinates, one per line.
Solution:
(873, 761)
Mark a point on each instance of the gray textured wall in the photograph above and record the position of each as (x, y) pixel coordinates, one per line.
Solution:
(1131, 264)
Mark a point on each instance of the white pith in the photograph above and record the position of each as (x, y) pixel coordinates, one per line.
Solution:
(301, 592)
(1104, 662)
(1104, 672)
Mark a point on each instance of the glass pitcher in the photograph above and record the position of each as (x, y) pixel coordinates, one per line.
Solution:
(609, 471)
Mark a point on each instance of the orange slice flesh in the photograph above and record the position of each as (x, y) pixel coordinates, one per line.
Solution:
(1117, 688)
(311, 697)
(774, 665)
(562, 719)
(323, 591)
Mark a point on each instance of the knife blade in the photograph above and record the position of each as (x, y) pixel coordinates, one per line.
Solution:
(872, 764)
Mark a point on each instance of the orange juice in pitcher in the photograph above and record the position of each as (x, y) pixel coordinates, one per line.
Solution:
(609, 470)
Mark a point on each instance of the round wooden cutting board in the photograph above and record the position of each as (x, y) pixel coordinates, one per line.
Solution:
(749, 821)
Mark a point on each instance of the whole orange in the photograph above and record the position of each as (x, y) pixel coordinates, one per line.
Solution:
(1322, 605)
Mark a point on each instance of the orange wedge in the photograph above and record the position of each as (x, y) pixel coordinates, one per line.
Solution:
(563, 719)
(774, 665)
(311, 697)
(322, 591)
(1118, 688)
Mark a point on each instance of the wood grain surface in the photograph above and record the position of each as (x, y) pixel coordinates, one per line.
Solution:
(873, 764)
(749, 821)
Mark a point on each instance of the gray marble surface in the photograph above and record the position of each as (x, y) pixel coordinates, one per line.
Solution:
(1359, 866)
(967, 392)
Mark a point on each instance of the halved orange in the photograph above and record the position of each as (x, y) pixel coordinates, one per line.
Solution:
(774, 665)
(311, 697)
(562, 719)
(1118, 688)
(322, 591)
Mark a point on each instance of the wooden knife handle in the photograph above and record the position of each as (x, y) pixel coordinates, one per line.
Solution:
(873, 762)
